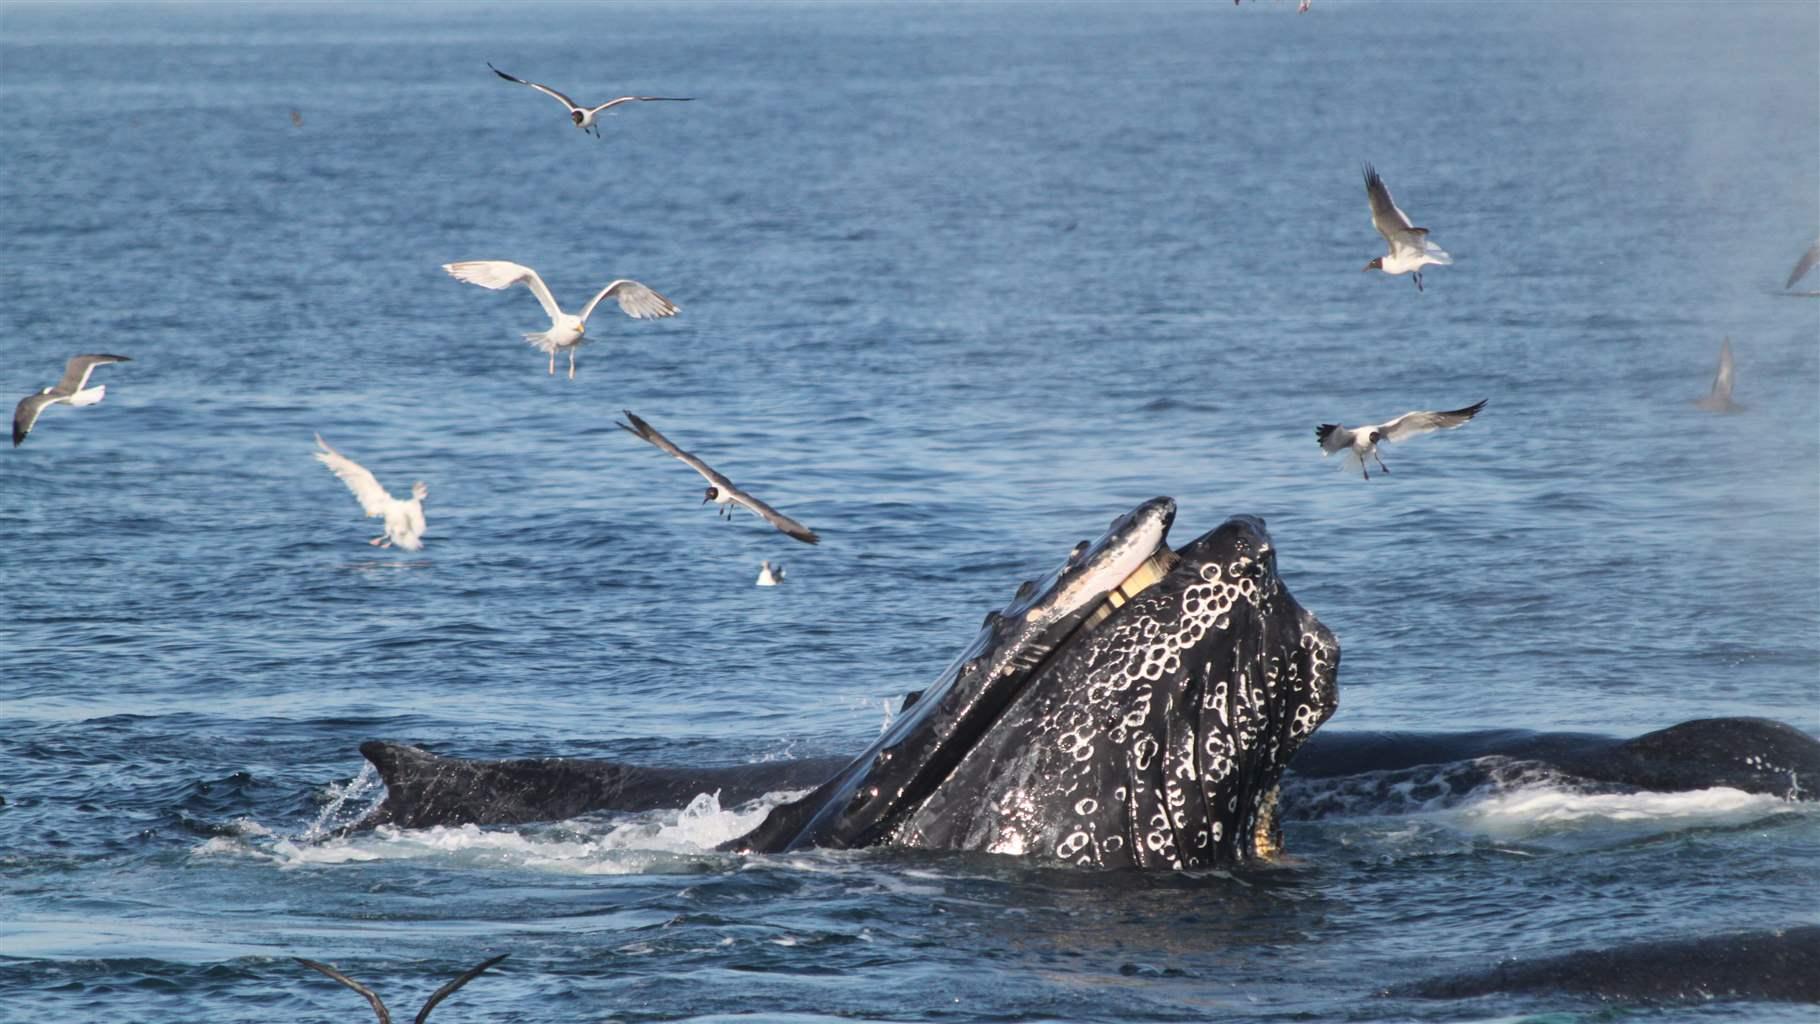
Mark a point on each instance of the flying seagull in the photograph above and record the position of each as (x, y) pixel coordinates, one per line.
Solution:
(584, 117)
(68, 391)
(1410, 248)
(566, 332)
(770, 575)
(1806, 263)
(1720, 399)
(379, 1007)
(721, 490)
(1360, 442)
(403, 519)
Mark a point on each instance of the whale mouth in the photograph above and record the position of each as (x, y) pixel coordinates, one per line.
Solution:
(1148, 573)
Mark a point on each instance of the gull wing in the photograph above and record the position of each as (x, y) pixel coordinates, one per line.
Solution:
(1412, 423)
(1391, 222)
(443, 993)
(610, 104)
(1722, 380)
(372, 997)
(76, 371)
(498, 274)
(373, 498)
(1806, 263)
(1333, 438)
(546, 90)
(642, 429)
(638, 301)
(26, 413)
(790, 527)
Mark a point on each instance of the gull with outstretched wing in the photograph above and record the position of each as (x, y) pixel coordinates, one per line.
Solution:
(566, 332)
(1719, 399)
(720, 490)
(404, 523)
(1410, 248)
(585, 117)
(1360, 443)
(71, 390)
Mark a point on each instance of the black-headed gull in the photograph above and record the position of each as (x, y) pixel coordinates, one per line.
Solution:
(1361, 442)
(721, 490)
(403, 519)
(68, 391)
(566, 332)
(770, 575)
(584, 117)
(1720, 398)
(1410, 248)
(378, 1006)
(1805, 264)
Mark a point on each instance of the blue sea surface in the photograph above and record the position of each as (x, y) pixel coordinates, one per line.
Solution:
(959, 284)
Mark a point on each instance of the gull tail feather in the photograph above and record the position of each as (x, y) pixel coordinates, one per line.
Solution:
(542, 342)
(1436, 253)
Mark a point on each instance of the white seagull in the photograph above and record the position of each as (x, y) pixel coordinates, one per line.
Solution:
(769, 575)
(378, 1006)
(1410, 248)
(566, 332)
(403, 519)
(1802, 266)
(1360, 442)
(1720, 398)
(721, 490)
(68, 391)
(584, 117)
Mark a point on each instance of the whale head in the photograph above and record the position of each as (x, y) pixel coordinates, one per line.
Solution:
(1105, 716)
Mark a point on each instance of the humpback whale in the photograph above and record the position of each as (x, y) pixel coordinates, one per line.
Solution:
(1134, 707)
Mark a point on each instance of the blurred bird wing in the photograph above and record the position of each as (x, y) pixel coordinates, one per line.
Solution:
(1390, 221)
(444, 992)
(1411, 424)
(638, 301)
(25, 414)
(371, 996)
(610, 104)
(546, 90)
(789, 526)
(1722, 381)
(1806, 263)
(77, 370)
(373, 498)
(645, 430)
(498, 274)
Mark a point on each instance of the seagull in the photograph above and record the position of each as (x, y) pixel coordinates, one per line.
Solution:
(584, 117)
(379, 1007)
(768, 575)
(1359, 442)
(1410, 248)
(721, 490)
(1808, 259)
(1720, 400)
(566, 332)
(403, 519)
(68, 391)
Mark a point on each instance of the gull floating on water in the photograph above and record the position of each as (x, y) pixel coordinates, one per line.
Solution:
(721, 490)
(372, 997)
(68, 391)
(403, 519)
(769, 575)
(1805, 264)
(1720, 398)
(1360, 442)
(584, 116)
(566, 332)
(1410, 248)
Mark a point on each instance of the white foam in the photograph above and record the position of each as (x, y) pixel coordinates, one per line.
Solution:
(660, 841)
(1549, 809)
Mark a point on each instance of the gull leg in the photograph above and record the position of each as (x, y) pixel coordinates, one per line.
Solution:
(1375, 455)
(1418, 280)
(552, 362)
(571, 364)
(377, 541)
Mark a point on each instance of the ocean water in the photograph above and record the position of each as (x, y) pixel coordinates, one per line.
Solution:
(959, 284)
